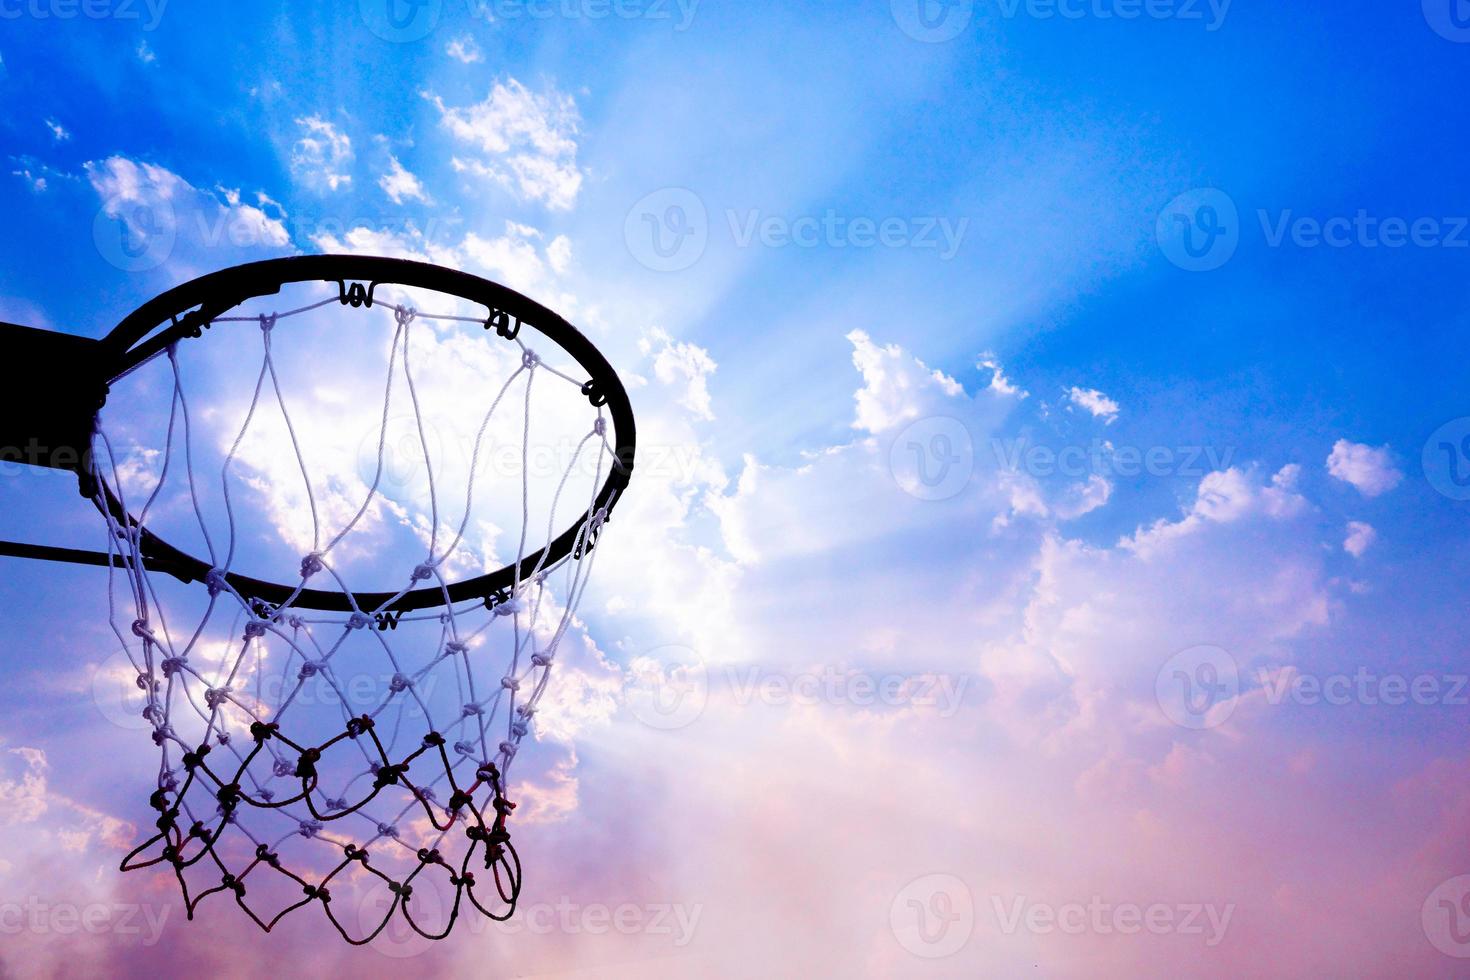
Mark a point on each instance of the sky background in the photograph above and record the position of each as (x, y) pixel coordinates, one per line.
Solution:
(1046, 553)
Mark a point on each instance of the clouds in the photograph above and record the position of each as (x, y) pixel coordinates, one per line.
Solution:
(1095, 402)
(322, 156)
(526, 141)
(464, 49)
(1371, 470)
(1360, 538)
(400, 185)
(162, 217)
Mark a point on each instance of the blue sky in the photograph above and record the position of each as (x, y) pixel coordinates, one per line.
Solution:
(1038, 167)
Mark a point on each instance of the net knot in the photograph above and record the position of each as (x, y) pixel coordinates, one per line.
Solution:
(529, 359)
(162, 734)
(464, 748)
(223, 738)
(193, 759)
(459, 800)
(467, 879)
(421, 572)
(260, 731)
(142, 630)
(308, 828)
(283, 768)
(510, 684)
(254, 630)
(427, 856)
(215, 696)
(389, 775)
(472, 709)
(425, 794)
(306, 766)
(404, 890)
(404, 315)
(508, 749)
(172, 665)
(308, 669)
(518, 729)
(267, 322)
(294, 622)
(145, 682)
(358, 620)
(267, 795)
(263, 853)
(455, 646)
(310, 565)
(508, 607)
(599, 427)
(336, 803)
(433, 740)
(399, 684)
(542, 659)
(388, 830)
(357, 726)
(214, 580)
(153, 713)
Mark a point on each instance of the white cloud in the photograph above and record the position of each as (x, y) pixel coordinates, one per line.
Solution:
(1094, 401)
(999, 383)
(1224, 497)
(322, 155)
(145, 53)
(1360, 538)
(528, 139)
(686, 365)
(399, 184)
(197, 218)
(464, 49)
(37, 183)
(1369, 469)
(559, 253)
(58, 131)
(896, 388)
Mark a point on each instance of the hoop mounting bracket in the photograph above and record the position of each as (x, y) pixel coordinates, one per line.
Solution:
(56, 383)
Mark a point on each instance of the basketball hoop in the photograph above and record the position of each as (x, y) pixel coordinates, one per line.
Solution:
(384, 787)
